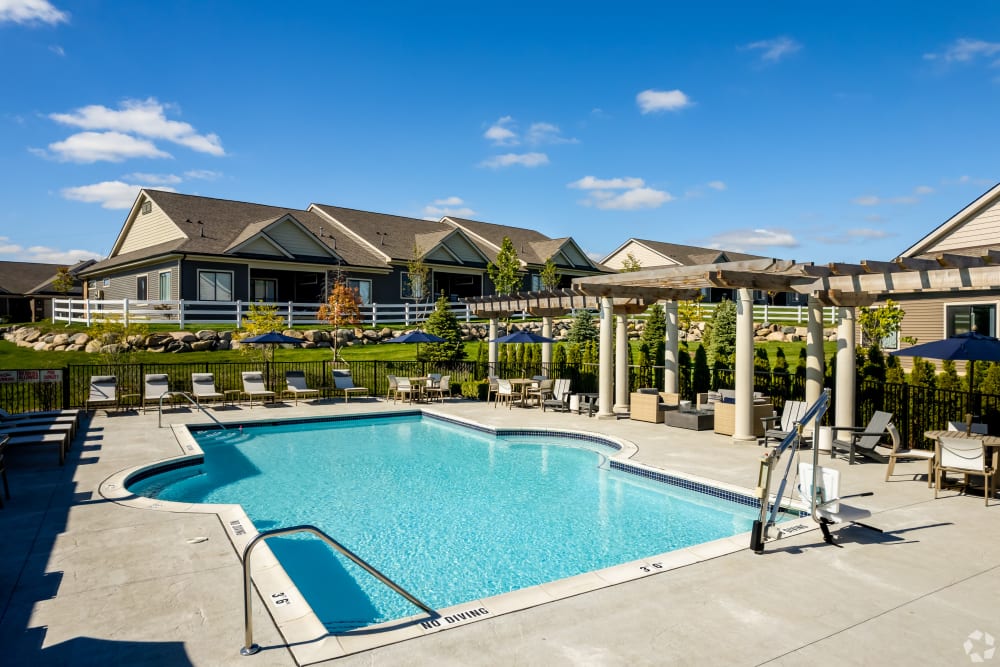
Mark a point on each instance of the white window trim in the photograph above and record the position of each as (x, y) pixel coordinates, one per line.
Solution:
(404, 277)
(137, 279)
(106, 282)
(952, 304)
(232, 281)
(264, 280)
(159, 284)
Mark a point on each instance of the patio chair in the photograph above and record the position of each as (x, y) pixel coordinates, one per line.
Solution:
(901, 453)
(203, 388)
(863, 441)
(296, 383)
(253, 386)
(155, 385)
(829, 508)
(407, 391)
(392, 389)
(67, 417)
(542, 391)
(506, 394)
(977, 428)
(442, 387)
(493, 388)
(103, 392)
(791, 413)
(560, 396)
(966, 456)
(342, 382)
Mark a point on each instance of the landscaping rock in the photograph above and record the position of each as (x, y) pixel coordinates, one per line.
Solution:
(183, 336)
(202, 345)
(60, 339)
(93, 346)
(205, 334)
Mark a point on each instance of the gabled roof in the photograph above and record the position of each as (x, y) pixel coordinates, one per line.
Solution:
(948, 236)
(22, 278)
(216, 226)
(684, 255)
(533, 248)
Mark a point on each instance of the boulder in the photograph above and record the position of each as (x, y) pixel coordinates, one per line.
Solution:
(40, 346)
(292, 333)
(29, 334)
(79, 339)
(93, 346)
(112, 348)
(183, 336)
(205, 334)
(202, 345)
(775, 335)
(61, 339)
(223, 344)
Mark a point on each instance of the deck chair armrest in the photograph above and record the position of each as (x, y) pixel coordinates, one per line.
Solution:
(857, 435)
(852, 429)
(767, 421)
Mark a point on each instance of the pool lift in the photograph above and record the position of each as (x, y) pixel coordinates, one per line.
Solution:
(824, 502)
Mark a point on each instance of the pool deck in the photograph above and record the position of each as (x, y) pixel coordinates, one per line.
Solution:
(85, 581)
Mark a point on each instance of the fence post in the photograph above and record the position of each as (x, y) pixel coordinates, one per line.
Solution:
(239, 312)
(125, 312)
(65, 388)
(406, 314)
(87, 307)
(180, 313)
(765, 313)
(468, 314)
(374, 315)
(290, 310)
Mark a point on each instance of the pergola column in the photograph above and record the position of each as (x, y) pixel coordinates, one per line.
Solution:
(743, 428)
(814, 350)
(621, 363)
(493, 345)
(846, 368)
(606, 379)
(546, 347)
(671, 379)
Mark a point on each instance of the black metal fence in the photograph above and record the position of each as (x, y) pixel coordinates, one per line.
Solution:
(915, 409)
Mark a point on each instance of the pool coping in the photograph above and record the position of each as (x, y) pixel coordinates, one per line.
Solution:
(308, 639)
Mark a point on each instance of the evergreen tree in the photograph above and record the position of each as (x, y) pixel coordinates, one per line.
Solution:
(442, 322)
(573, 354)
(873, 365)
(991, 380)
(702, 378)
(559, 354)
(654, 333)
(583, 328)
(948, 377)
(922, 374)
(893, 371)
(723, 341)
(800, 369)
(761, 362)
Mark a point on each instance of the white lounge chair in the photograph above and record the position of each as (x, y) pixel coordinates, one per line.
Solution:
(507, 394)
(203, 388)
(103, 392)
(253, 387)
(829, 508)
(343, 383)
(155, 386)
(407, 391)
(296, 385)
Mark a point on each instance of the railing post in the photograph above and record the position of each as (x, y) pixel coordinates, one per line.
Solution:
(125, 312)
(239, 312)
(374, 315)
(406, 314)
(180, 313)
(468, 314)
(766, 313)
(290, 311)
(65, 388)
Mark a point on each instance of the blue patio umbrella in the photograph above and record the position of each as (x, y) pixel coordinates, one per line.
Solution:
(417, 337)
(523, 336)
(272, 338)
(969, 346)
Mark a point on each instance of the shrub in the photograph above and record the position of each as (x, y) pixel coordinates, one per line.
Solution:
(723, 342)
(475, 389)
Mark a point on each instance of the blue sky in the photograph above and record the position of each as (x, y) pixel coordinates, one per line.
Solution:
(817, 132)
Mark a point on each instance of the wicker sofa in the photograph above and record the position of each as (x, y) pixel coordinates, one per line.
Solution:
(724, 406)
(648, 405)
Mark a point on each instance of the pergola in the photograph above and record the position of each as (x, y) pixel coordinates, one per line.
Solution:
(845, 286)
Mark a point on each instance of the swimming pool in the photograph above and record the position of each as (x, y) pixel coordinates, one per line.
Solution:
(452, 514)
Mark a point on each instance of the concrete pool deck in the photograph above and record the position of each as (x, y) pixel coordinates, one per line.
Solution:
(86, 581)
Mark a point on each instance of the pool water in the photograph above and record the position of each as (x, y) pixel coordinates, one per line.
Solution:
(450, 513)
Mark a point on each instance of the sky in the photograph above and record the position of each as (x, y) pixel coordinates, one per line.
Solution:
(810, 131)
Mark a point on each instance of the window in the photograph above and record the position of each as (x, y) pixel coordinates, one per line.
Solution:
(264, 289)
(140, 287)
(164, 292)
(147, 207)
(215, 285)
(106, 282)
(363, 288)
(978, 317)
(410, 290)
(536, 282)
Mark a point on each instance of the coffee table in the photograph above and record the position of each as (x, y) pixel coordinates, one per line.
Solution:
(694, 420)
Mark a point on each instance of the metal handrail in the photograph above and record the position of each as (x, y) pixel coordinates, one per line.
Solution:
(191, 400)
(249, 648)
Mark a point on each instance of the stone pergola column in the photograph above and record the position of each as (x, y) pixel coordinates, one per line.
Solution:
(493, 345)
(846, 367)
(621, 363)
(671, 378)
(743, 428)
(546, 347)
(606, 379)
(815, 361)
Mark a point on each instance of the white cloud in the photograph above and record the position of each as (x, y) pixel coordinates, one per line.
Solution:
(853, 236)
(874, 217)
(501, 134)
(905, 199)
(109, 194)
(547, 133)
(202, 174)
(864, 233)
(447, 206)
(740, 239)
(146, 118)
(510, 159)
(774, 50)
(449, 201)
(650, 101)
(10, 251)
(923, 190)
(31, 11)
(56, 49)
(716, 185)
(866, 200)
(154, 179)
(87, 147)
(966, 50)
(592, 183)
(874, 200)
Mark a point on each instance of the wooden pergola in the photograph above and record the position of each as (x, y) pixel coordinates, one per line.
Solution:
(845, 286)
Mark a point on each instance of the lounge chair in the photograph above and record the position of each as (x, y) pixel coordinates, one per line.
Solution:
(156, 385)
(790, 414)
(829, 508)
(68, 417)
(966, 456)
(41, 435)
(342, 382)
(203, 388)
(442, 387)
(103, 392)
(296, 385)
(3, 468)
(901, 453)
(253, 387)
(863, 441)
(560, 396)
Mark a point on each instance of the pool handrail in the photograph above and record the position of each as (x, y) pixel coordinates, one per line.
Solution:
(195, 403)
(249, 648)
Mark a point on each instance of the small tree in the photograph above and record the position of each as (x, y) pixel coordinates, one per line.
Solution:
(893, 371)
(722, 344)
(442, 322)
(991, 380)
(702, 379)
(63, 281)
(418, 276)
(559, 354)
(549, 275)
(505, 273)
(583, 328)
(948, 377)
(877, 324)
(260, 319)
(341, 309)
(630, 264)
(923, 373)
(654, 334)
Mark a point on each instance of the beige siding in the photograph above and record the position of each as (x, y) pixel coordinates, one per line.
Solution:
(981, 230)
(149, 229)
(292, 238)
(259, 246)
(439, 255)
(154, 288)
(575, 258)
(464, 250)
(647, 258)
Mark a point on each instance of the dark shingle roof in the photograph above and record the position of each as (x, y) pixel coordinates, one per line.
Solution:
(395, 235)
(25, 277)
(689, 255)
(524, 240)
